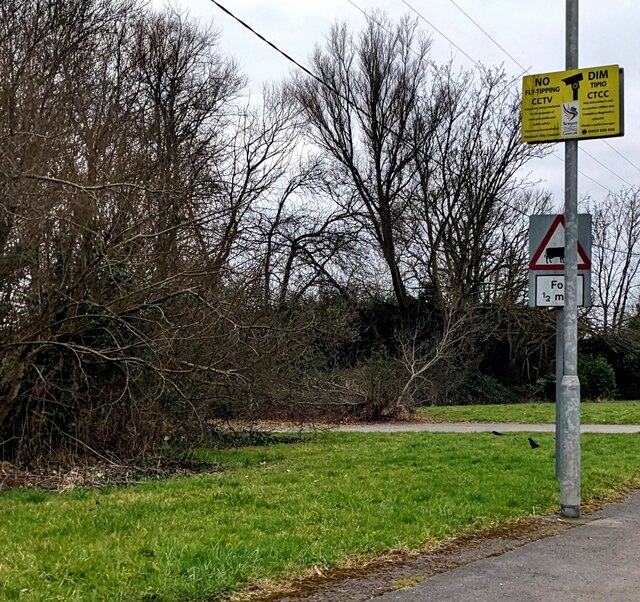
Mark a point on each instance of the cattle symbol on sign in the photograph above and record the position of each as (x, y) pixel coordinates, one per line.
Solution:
(550, 253)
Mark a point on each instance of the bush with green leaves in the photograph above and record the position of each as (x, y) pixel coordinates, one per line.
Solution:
(597, 378)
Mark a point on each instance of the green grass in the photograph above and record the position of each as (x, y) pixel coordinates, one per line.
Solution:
(621, 412)
(278, 511)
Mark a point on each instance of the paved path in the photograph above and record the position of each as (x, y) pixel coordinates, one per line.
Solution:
(477, 427)
(597, 561)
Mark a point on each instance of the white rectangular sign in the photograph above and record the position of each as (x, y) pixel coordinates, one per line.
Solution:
(550, 290)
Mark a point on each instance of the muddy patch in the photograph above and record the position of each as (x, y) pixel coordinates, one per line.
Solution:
(404, 570)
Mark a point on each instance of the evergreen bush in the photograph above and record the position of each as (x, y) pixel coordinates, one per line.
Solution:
(597, 378)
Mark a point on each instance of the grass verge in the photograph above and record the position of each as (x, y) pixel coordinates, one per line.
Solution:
(619, 412)
(279, 511)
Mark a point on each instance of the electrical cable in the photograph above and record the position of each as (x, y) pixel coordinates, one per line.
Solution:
(507, 53)
(621, 155)
(582, 150)
(584, 175)
(432, 27)
(468, 16)
(298, 64)
(369, 16)
(331, 88)
(524, 70)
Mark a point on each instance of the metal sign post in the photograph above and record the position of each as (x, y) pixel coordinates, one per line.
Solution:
(547, 288)
(559, 404)
(567, 106)
(569, 411)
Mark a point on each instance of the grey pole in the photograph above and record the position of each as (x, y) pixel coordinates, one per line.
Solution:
(570, 394)
(559, 403)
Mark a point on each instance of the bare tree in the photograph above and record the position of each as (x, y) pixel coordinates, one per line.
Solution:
(147, 213)
(44, 45)
(471, 214)
(363, 116)
(616, 257)
(111, 118)
(430, 160)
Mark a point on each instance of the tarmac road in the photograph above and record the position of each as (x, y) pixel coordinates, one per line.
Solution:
(477, 427)
(597, 561)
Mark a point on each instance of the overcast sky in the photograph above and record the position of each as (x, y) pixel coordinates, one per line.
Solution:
(531, 32)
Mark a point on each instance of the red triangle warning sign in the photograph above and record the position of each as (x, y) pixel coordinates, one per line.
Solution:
(550, 254)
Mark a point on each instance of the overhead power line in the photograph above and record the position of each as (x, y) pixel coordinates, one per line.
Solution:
(330, 87)
(266, 41)
(621, 155)
(468, 16)
(322, 82)
(421, 16)
(371, 17)
(582, 150)
(524, 70)
(584, 175)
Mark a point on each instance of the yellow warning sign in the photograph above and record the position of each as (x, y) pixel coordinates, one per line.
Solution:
(575, 104)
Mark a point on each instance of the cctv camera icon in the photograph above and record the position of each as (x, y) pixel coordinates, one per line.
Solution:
(574, 82)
